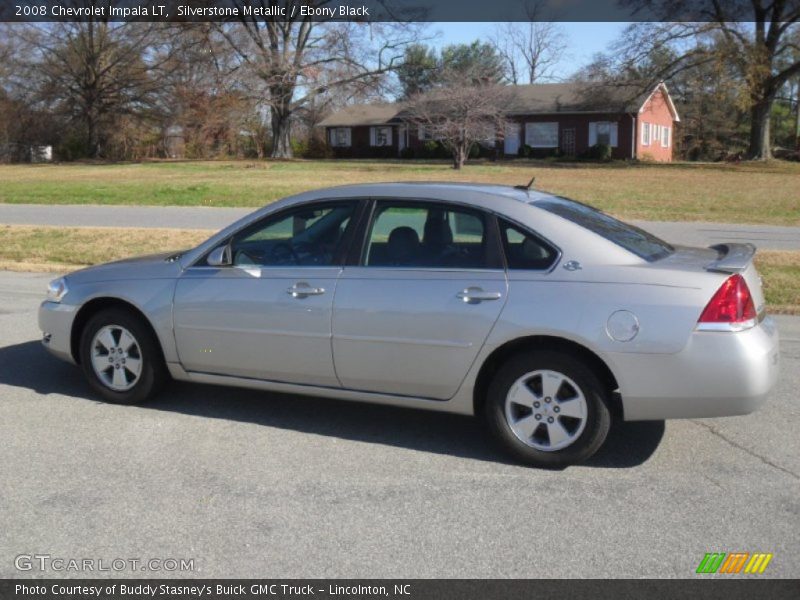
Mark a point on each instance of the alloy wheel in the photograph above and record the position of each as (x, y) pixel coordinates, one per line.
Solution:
(546, 410)
(116, 357)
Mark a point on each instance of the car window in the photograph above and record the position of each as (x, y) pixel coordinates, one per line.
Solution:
(303, 236)
(525, 250)
(633, 239)
(426, 235)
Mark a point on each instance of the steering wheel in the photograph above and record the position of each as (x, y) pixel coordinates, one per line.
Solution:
(283, 251)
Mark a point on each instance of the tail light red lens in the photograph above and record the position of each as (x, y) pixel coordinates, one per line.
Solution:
(732, 303)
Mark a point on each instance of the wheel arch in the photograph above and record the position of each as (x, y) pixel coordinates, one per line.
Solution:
(95, 305)
(544, 342)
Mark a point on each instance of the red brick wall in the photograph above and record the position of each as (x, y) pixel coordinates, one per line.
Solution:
(360, 146)
(655, 112)
(580, 123)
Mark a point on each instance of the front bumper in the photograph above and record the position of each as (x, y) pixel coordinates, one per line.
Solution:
(717, 374)
(55, 321)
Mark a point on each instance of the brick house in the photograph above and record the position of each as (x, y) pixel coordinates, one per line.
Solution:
(551, 118)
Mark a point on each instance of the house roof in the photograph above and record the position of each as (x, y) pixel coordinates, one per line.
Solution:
(547, 98)
(363, 114)
(536, 98)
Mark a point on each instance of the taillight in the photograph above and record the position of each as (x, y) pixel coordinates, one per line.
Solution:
(731, 308)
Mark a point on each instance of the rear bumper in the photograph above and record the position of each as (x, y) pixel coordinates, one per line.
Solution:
(55, 321)
(717, 374)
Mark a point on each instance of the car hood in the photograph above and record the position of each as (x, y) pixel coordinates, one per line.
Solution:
(152, 266)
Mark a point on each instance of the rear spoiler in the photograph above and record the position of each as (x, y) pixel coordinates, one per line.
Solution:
(733, 258)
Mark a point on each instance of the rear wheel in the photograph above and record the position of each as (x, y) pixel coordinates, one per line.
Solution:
(547, 409)
(121, 358)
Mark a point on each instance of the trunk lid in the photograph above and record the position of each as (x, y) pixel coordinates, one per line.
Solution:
(723, 260)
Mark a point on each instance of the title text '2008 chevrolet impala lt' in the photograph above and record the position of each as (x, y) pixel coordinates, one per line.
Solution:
(543, 316)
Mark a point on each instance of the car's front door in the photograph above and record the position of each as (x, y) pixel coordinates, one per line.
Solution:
(412, 314)
(268, 315)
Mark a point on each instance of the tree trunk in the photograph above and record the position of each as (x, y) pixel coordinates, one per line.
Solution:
(797, 119)
(459, 156)
(281, 134)
(760, 148)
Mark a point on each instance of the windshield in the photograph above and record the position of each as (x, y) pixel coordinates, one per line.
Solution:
(633, 239)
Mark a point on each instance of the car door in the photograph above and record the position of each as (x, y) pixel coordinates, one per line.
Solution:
(418, 302)
(268, 314)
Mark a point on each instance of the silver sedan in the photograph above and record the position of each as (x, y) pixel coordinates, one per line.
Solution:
(543, 316)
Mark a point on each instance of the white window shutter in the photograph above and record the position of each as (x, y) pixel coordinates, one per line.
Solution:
(348, 137)
(613, 136)
(592, 134)
(371, 136)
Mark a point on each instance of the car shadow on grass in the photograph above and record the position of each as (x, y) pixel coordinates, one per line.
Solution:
(28, 365)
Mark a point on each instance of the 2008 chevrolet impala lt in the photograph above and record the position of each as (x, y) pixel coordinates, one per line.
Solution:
(542, 315)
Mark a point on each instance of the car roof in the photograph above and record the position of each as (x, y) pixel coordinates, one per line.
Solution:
(479, 194)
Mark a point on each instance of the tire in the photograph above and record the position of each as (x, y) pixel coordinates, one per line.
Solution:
(136, 371)
(518, 392)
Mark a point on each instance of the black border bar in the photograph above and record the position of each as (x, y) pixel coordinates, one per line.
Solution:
(744, 588)
(177, 11)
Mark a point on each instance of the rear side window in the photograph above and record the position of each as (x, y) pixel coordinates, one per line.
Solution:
(427, 236)
(633, 239)
(524, 250)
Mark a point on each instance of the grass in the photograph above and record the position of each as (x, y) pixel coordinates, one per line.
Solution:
(62, 249)
(766, 193)
(781, 274)
(59, 249)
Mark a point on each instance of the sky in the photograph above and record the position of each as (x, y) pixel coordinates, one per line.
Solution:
(583, 39)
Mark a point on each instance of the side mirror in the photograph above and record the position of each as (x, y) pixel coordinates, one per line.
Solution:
(220, 257)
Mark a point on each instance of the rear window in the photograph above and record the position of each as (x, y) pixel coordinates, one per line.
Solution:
(633, 239)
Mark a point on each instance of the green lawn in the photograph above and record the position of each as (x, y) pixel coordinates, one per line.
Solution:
(745, 193)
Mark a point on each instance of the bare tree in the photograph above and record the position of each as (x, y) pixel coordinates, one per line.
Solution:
(460, 114)
(297, 59)
(529, 50)
(91, 71)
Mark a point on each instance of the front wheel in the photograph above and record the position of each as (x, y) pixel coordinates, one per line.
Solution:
(121, 358)
(547, 409)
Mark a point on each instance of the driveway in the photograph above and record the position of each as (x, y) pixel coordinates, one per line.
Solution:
(258, 484)
(201, 217)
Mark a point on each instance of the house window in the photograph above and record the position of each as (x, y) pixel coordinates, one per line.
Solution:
(541, 135)
(665, 131)
(380, 136)
(603, 132)
(340, 136)
(645, 134)
(423, 134)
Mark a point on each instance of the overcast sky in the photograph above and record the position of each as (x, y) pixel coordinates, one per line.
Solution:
(583, 39)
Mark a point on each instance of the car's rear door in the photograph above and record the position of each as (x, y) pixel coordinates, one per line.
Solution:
(416, 304)
(268, 316)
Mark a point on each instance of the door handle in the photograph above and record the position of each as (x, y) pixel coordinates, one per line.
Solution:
(476, 295)
(302, 290)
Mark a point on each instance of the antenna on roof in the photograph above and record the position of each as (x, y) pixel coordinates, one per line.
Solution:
(526, 188)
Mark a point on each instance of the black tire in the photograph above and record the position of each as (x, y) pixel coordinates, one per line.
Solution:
(598, 415)
(153, 373)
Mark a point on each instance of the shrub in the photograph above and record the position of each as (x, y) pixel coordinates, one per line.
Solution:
(525, 151)
(407, 152)
(600, 152)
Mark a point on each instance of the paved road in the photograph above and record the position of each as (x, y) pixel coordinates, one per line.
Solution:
(250, 483)
(199, 217)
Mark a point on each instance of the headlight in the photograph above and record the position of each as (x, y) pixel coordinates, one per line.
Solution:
(57, 289)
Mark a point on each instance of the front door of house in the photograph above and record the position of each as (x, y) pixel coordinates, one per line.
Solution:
(568, 141)
(511, 140)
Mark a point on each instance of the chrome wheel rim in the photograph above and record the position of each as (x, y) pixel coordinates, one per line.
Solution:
(546, 410)
(116, 358)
